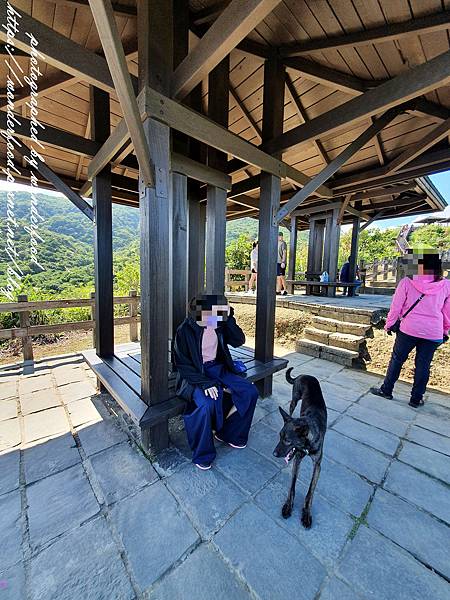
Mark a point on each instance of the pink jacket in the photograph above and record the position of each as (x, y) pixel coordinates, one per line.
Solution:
(430, 319)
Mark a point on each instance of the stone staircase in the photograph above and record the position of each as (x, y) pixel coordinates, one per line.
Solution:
(339, 334)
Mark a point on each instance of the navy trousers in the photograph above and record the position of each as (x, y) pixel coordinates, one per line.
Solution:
(204, 413)
(403, 346)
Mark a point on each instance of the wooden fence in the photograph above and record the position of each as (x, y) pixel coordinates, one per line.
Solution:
(237, 278)
(26, 331)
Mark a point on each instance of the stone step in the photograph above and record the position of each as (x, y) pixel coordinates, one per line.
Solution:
(334, 325)
(347, 315)
(348, 358)
(339, 340)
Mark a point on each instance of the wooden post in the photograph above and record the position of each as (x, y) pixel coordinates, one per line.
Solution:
(269, 202)
(155, 46)
(94, 334)
(354, 253)
(24, 321)
(103, 253)
(133, 313)
(332, 236)
(216, 205)
(292, 253)
(179, 181)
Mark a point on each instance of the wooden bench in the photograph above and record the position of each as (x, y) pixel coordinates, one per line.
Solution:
(121, 376)
(322, 285)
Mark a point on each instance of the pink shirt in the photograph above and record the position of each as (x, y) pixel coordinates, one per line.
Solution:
(209, 344)
(430, 319)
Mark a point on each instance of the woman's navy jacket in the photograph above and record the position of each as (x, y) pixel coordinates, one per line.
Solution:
(187, 353)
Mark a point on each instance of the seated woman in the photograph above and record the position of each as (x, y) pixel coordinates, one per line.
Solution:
(219, 399)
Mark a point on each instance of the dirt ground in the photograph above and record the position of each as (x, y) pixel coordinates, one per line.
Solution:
(289, 327)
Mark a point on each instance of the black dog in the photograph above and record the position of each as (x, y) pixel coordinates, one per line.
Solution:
(303, 436)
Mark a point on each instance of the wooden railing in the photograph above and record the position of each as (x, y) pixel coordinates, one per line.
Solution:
(237, 278)
(387, 270)
(26, 331)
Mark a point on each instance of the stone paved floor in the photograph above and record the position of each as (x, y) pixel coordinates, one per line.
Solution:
(362, 301)
(84, 515)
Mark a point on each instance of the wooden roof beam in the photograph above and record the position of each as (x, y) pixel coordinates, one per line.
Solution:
(61, 52)
(406, 86)
(429, 140)
(337, 163)
(231, 27)
(246, 114)
(301, 112)
(120, 10)
(373, 218)
(112, 46)
(388, 31)
(199, 127)
(330, 77)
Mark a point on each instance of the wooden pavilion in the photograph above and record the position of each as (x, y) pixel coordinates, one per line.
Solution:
(309, 113)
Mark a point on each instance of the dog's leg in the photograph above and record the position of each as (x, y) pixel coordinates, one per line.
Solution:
(306, 512)
(286, 511)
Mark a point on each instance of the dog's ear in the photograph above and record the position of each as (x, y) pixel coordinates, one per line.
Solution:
(286, 417)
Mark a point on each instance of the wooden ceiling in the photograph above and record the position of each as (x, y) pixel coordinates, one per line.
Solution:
(328, 63)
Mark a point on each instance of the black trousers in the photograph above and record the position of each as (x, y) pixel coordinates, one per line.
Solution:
(403, 346)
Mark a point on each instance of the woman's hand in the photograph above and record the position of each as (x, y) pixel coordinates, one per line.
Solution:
(212, 392)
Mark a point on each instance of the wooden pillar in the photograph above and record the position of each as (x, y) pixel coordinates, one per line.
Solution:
(196, 212)
(216, 205)
(292, 252)
(155, 46)
(332, 237)
(103, 252)
(269, 203)
(354, 253)
(179, 181)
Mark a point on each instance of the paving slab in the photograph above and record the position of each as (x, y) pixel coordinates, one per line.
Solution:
(260, 413)
(345, 379)
(377, 568)
(8, 409)
(431, 423)
(247, 469)
(297, 358)
(85, 564)
(12, 583)
(71, 392)
(9, 471)
(9, 434)
(439, 398)
(33, 383)
(263, 439)
(435, 410)
(50, 457)
(389, 408)
(8, 389)
(357, 457)
(425, 492)
(330, 526)
(423, 536)
(335, 589)
(202, 576)
(83, 411)
(378, 419)
(429, 439)
(207, 497)
(64, 374)
(273, 563)
(45, 424)
(59, 503)
(98, 436)
(40, 400)
(139, 521)
(426, 460)
(11, 530)
(339, 393)
(121, 471)
(342, 487)
(371, 436)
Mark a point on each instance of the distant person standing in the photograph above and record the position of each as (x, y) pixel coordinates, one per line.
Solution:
(253, 267)
(281, 265)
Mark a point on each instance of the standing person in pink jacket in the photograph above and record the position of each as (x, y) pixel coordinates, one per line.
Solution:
(425, 327)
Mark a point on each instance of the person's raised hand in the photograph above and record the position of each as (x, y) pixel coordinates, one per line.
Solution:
(212, 392)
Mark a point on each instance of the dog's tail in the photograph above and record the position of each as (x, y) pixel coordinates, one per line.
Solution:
(290, 379)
